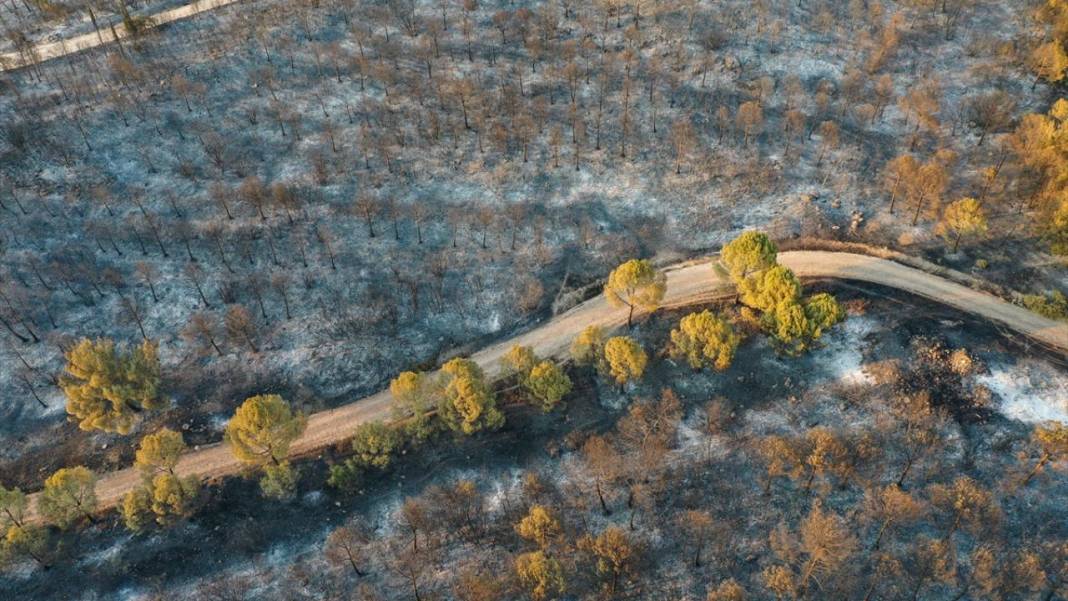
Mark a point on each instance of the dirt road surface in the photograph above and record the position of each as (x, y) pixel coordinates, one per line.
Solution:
(50, 50)
(687, 284)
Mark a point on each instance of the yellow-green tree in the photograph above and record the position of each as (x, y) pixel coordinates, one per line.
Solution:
(19, 538)
(107, 387)
(962, 217)
(262, 429)
(27, 540)
(704, 340)
(748, 254)
(626, 359)
(770, 288)
(415, 395)
(547, 384)
(789, 325)
(588, 347)
(375, 445)
(279, 481)
(635, 284)
(163, 499)
(68, 495)
(614, 553)
(822, 311)
(541, 575)
(159, 452)
(13, 506)
(136, 509)
(260, 434)
(468, 404)
(539, 526)
(519, 360)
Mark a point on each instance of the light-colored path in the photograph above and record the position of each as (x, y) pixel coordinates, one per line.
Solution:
(687, 283)
(50, 50)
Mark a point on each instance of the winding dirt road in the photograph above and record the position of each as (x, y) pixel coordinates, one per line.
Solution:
(687, 284)
(50, 50)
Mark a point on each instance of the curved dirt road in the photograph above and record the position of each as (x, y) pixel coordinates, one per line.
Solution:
(687, 283)
(50, 50)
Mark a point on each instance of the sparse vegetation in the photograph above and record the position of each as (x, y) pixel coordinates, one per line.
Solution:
(297, 203)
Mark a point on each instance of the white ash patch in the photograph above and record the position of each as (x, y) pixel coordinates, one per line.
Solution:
(1031, 391)
(841, 350)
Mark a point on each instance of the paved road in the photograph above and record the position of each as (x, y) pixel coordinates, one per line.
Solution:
(50, 50)
(687, 284)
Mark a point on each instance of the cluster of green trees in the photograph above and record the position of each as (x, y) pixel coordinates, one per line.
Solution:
(793, 320)
(259, 434)
(458, 399)
(621, 357)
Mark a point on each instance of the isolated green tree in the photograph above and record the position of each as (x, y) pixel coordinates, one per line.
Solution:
(163, 499)
(159, 452)
(136, 509)
(704, 340)
(262, 429)
(13, 506)
(107, 387)
(635, 284)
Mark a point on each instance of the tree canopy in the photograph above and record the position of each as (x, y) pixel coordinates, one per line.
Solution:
(635, 284)
(547, 384)
(159, 452)
(107, 387)
(262, 429)
(964, 217)
(468, 404)
(748, 254)
(704, 340)
(68, 496)
(626, 359)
